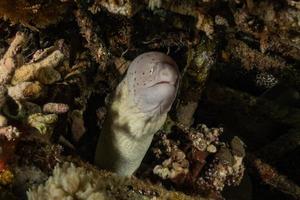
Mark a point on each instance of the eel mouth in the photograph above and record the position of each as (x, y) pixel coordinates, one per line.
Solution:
(164, 82)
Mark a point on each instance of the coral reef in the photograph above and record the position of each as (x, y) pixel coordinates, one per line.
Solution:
(61, 60)
(69, 181)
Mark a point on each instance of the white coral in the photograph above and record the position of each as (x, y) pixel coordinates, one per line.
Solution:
(69, 182)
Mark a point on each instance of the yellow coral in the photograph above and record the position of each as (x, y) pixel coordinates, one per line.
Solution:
(25, 90)
(29, 71)
(6, 177)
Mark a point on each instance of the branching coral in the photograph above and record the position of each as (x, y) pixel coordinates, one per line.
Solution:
(8, 63)
(94, 43)
(19, 84)
(29, 81)
(31, 71)
(271, 176)
(24, 89)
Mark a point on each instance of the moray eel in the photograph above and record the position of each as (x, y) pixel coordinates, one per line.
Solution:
(138, 109)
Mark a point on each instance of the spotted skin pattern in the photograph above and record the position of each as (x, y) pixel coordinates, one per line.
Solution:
(153, 77)
(138, 110)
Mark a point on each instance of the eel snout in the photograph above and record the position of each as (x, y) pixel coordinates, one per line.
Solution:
(167, 74)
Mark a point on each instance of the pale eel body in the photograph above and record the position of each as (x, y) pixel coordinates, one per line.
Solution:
(138, 110)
